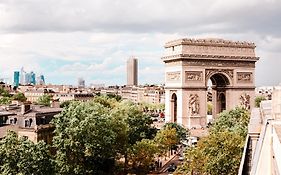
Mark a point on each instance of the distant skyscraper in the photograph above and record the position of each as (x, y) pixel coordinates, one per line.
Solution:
(26, 79)
(81, 83)
(22, 76)
(132, 71)
(40, 80)
(30, 78)
(16, 78)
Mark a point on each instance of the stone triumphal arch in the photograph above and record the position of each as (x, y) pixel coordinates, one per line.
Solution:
(190, 64)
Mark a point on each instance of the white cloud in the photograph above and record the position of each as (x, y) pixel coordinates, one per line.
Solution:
(66, 39)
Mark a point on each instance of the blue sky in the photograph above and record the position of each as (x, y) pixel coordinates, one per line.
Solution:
(68, 39)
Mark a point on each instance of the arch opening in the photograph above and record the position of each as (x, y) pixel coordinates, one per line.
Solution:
(219, 80)
(216, 95)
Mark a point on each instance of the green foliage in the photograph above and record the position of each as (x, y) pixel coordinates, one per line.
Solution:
(5, 100)
(85, 139)
(44, 100)
(89, 135)
(88, 138)
(138, 124)
(5, 97)
(19, 96)
(258, 100)
(65, 104)
(142, 155)
(105, 101)
(166, 138)
(4, 93)
(19, 156)
(221, 151)
(133, 125)
(114, 96)
(218, 153)
(235, 120)
(152, 106)
(181, 131)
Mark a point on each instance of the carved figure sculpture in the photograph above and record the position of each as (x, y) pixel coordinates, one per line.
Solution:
(245, 101)
(194, 104)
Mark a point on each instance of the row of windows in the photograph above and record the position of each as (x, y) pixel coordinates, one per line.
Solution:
(28, 122)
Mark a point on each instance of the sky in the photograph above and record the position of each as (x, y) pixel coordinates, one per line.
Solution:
(92, 39)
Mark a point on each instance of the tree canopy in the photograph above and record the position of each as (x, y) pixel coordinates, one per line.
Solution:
(89, 136)
(20, 156)
(142, 155)
(44, 100)
(84, 139)
(221, 151)
(182, 132)
(5, 100)
(258, 100)
(19, 96)
(4, 93)
(93, 137)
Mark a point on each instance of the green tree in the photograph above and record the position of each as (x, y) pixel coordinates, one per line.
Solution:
(166, 138)
(115, 96)
(258, 100)
(105, 101)
(4, 93)
(235, 120)
(182, 133)
(221, 151)
(142, 155)
(85, 139)
(5, 100)
(20, 156)
(44, 100)
(19, 96)
(135, 126)
(218, 153)
(65, 104)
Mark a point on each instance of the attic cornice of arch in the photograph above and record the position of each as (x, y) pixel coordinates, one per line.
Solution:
(210, 42)
(209, 57)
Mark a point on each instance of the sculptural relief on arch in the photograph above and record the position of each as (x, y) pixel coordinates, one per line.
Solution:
(191, 63)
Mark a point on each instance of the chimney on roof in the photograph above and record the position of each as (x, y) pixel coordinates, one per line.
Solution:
(25, 108)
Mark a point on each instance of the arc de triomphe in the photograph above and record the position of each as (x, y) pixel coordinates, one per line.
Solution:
(190, 64)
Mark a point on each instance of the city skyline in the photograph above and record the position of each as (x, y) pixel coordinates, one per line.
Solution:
(94, 39)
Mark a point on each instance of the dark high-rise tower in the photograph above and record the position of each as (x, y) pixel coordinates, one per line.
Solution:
(16, 78)
(132, 72)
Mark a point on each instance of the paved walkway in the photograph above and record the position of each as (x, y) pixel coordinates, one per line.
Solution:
(165, 163)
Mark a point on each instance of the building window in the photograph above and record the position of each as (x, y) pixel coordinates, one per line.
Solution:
(11, 121)
(27, 123)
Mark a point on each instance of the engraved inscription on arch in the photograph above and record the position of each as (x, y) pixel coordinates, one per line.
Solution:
(214, 63)
(173, 76)
(193, 76)
(246, 77)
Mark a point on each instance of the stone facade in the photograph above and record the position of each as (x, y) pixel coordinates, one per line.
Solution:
(190, 64)
(31, 122)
